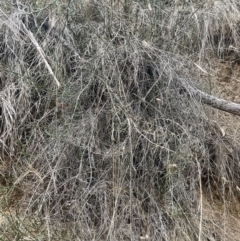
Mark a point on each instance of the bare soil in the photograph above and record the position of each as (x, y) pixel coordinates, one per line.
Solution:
(224, 217)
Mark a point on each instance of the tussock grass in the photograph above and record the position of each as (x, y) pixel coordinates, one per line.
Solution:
(96, 128)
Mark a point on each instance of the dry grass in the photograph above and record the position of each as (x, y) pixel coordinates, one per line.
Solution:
(100, 139)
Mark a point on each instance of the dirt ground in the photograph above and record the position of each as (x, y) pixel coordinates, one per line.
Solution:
(227, 86)
(224, 82)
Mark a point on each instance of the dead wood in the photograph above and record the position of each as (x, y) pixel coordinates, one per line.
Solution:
(213, 101)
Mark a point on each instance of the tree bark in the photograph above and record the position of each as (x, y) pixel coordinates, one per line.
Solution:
(213, 101)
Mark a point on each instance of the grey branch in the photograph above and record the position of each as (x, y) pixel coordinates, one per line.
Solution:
(213, 101)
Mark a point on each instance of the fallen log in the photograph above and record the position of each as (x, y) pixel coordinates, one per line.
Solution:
(211, 100)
